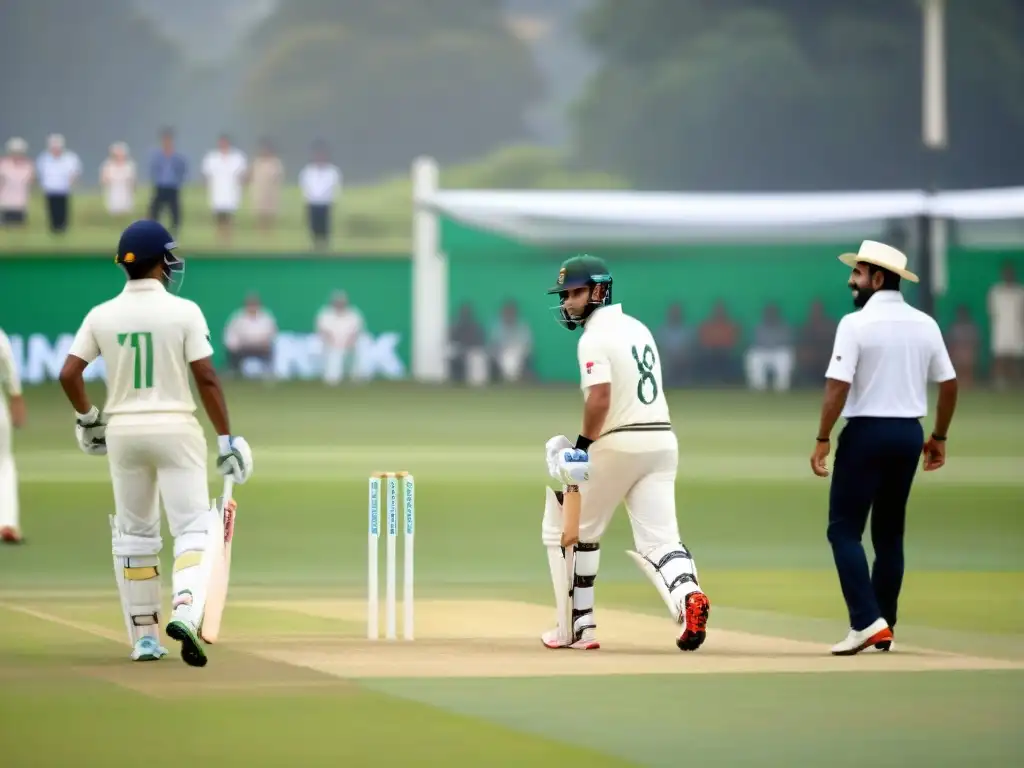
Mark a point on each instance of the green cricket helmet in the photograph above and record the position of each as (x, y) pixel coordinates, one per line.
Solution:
(578, 272)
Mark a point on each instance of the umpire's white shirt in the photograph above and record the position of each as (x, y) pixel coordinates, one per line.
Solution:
(147, 338)
(888, 352)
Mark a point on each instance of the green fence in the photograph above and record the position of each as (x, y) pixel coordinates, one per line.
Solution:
(43, 301)
(487, 269)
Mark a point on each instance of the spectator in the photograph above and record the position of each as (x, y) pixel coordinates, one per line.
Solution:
(511, 345)
(267, 180)
(771, 352)
(225, 170)
(58, 169)
(168, 170)
(117, 177)
(320, 182)
(467, 355)
(718, 338)
(339, 325)
(964, 343)
(249, 337)
(814, 347)
(677, 343)
(16, 175)
(1006, 315)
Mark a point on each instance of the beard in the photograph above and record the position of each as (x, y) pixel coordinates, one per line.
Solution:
(861, 295)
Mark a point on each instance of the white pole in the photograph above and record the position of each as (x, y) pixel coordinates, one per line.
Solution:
(429, 280)
(934, 124)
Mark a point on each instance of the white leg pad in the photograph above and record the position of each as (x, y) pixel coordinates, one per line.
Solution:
(194, 562)
(137, 571)
(670, 568)
(588, 558)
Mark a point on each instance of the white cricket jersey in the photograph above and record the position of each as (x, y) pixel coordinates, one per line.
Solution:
(619, 349)
(147, 338)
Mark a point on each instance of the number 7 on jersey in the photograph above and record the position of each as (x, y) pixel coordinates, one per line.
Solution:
(142, 345)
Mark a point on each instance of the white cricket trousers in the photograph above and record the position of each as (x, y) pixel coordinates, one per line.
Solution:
(638, 468)
(159, 461)
(9, 515)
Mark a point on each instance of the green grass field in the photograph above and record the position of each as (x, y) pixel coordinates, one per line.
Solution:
(295, 682)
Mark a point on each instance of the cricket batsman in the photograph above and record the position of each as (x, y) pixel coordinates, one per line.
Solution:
(626, 451)
(150, 339)
(12, 414)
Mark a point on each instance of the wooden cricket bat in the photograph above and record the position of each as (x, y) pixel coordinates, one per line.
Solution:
(571, 502)
(220, 574)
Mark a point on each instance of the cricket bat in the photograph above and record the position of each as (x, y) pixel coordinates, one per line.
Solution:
(570, 536)
(220, 574)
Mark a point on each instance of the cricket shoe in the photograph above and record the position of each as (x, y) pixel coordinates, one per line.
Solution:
(148, 649)
(192, 652)
(587, 641)
(10, 535)
(876, 634)
(695, 616)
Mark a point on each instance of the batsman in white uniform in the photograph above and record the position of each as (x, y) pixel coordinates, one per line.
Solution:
(626, 451)
(12, 414)
(149, 340)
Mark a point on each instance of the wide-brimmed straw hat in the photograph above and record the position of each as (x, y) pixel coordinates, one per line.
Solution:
(881, 255)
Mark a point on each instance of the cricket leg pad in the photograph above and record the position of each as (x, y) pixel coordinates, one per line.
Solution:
(588, 558)
(194, 561)
(137, 572)
(671, 570)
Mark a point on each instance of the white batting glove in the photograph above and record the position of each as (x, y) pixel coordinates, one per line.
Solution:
(552, 448)
(573, 467)
(91, 432)
(234, 458)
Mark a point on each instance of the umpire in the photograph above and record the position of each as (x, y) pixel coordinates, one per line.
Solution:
(877, 379)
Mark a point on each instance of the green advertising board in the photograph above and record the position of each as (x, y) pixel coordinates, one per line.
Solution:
(43, 300)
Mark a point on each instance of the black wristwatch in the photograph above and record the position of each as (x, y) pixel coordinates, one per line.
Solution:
(941, 438)
(824, 440)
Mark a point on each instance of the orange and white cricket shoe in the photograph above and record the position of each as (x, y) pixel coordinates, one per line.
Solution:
(877, 634)
(695, 617)
(587, 641)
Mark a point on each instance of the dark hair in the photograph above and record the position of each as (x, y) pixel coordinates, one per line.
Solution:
(890, 280)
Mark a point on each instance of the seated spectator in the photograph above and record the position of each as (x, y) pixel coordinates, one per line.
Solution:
(467, 348)
(511, 345)
(964, 342)
(339, 325)
(677, 343)
(16, 176)
(249, 338)
(771, 352)
(814, 348)
(717, 340)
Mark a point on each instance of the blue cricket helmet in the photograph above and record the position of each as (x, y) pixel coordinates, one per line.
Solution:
(145, 244)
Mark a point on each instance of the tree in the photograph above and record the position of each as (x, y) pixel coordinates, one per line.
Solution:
(385, 81)
(797, 94)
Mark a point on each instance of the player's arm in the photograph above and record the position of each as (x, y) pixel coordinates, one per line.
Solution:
(84, 349)
(596, 381)
(9, 377)
(199, 356)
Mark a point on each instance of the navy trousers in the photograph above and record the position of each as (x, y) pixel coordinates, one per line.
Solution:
(874, 467)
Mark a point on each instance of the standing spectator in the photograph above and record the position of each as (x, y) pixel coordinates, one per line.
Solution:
(117, 177)
(168, 170)
(511, 345)
(58, 170)
(1006, 314)
(964, 342)
(339, 325)
(267, 180)
(249, 335)
(676, 342)
(467, 348)
(772, 351)
(16, 175)
(320, 182)
(225, 170)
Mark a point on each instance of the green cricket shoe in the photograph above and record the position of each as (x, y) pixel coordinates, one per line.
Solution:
(192, 652)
